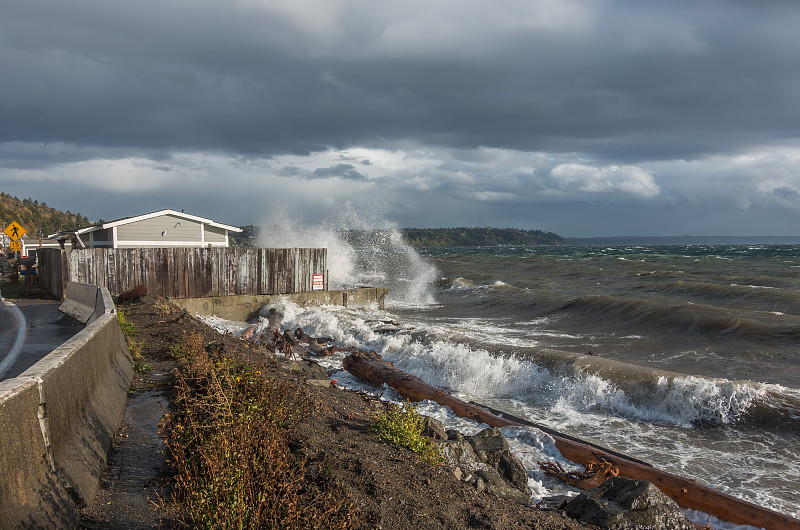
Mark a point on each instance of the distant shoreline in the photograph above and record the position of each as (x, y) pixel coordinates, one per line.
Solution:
(683, 240)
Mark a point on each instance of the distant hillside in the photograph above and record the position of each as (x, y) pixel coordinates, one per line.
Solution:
(33, 215)
(478, 237)
(434, 237)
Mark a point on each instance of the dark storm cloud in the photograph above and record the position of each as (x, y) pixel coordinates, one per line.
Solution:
(489, 111)
(253, 78)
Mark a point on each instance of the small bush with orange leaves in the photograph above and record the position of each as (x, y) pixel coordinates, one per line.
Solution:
(134, 294)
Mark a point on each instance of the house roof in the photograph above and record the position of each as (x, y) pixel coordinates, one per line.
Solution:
(126, 220)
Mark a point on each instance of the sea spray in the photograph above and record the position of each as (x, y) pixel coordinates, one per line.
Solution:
(364, 250)
(286, 231)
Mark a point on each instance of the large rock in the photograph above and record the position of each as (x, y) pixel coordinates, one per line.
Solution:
(459, 453)
(491, 448)
(433, 428)
(621, 503)
(486, 460)
(500, 487)
(308, 370)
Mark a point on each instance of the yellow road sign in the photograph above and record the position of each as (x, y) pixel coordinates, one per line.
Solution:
(15, 246)
(14, 231)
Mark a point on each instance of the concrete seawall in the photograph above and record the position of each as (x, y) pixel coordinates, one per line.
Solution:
(244, 308)
(58, 420)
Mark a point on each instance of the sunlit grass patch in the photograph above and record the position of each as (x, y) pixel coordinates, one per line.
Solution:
(402, 425)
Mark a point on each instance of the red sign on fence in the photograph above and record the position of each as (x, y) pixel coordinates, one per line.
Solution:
(317, 282)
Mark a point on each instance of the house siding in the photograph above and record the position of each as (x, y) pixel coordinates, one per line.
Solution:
(178, 230)
(215, 234)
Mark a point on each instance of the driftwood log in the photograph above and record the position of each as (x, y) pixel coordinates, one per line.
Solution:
(369, 367)
(248, 332)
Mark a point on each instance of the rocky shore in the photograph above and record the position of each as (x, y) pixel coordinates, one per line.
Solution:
(480, 485)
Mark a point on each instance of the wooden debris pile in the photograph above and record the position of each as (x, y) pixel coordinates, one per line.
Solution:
(295, 345)
(595, 473)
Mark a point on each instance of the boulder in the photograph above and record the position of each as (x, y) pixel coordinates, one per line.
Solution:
(455, 435)
(309, 370)
(493, 482)
(491, 448)
(433, 428)
(459, 453)
(621, 504)
(486, 461)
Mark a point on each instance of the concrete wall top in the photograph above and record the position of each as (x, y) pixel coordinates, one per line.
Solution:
(243, 308)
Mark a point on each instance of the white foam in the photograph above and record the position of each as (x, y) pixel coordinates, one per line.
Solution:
(703, 519)
(477, 374)
(692, 399)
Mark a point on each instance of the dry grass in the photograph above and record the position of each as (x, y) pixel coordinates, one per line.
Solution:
(228, 445)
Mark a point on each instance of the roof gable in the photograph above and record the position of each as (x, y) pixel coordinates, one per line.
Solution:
(128, 220)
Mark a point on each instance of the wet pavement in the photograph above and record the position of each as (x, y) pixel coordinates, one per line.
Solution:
(29, 331)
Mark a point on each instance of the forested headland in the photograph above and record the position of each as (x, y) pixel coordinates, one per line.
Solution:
(434, 237)
(479, 237)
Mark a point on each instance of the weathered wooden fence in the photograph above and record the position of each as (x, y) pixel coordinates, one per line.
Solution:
(185, 272)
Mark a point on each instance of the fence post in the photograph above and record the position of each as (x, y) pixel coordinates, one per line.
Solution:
(65, 273)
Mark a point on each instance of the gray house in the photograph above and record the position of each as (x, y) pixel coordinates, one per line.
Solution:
(164, 228)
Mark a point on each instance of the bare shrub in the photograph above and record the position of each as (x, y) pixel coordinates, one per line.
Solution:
(134, 294)
(229, 448)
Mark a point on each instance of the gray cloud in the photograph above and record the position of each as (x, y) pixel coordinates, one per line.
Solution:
(345, 171)
(488, 108)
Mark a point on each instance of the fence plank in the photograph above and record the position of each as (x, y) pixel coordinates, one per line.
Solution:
(185, 272)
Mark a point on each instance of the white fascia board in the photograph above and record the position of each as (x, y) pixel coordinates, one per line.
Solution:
(167, 244)
(129, 220)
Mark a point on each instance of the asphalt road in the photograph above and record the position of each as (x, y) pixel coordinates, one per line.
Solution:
(30, 331)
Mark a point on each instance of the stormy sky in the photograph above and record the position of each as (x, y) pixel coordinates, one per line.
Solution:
(585, 118)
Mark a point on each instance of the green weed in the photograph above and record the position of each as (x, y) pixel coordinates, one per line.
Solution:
(402, 425)
(128, 327)
(130, 332)
(141, 367)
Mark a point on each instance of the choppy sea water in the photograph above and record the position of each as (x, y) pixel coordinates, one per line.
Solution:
(703, 342)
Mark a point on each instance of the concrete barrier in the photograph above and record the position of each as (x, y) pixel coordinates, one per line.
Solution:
(244, 308)
(57, 423)
(83, 388)
(85, 303)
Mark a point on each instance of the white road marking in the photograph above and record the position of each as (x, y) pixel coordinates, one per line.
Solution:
(22, 326)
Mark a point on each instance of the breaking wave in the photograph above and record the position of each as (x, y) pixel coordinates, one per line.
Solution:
(558, 384)
(364, 250)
